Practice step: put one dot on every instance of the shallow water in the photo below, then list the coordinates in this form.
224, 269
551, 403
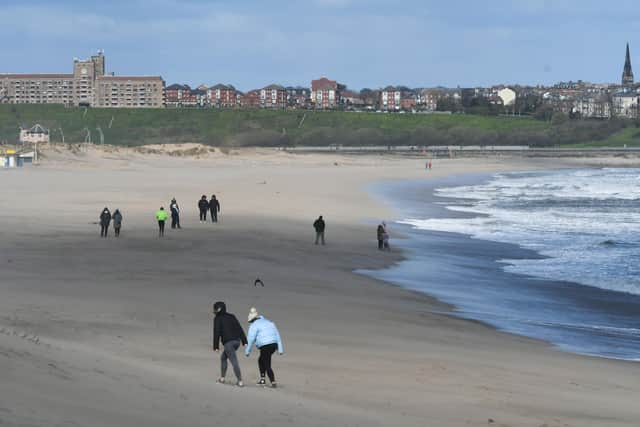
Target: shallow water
552, 255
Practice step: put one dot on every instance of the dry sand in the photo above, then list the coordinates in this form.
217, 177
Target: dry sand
106, 332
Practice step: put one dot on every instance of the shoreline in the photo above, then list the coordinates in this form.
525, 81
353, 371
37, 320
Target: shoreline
127, 321
433, 206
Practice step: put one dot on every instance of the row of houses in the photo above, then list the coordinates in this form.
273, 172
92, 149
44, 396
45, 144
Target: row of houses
323, 94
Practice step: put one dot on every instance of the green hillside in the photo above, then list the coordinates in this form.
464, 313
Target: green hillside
270, 128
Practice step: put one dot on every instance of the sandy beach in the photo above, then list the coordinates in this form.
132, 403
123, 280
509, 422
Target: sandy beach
117, 332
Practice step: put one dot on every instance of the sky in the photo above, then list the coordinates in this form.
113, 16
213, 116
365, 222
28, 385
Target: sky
361, 43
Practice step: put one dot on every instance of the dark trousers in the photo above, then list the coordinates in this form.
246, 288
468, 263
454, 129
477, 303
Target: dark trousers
229, 353
203, 214
175, 221
116, 229
319, 237
380, 244
161, 228
214, 215
104, 228
264, 361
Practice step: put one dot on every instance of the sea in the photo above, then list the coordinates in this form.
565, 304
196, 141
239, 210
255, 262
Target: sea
552, 255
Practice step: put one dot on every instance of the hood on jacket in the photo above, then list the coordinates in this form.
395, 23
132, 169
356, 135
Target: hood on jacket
219, 307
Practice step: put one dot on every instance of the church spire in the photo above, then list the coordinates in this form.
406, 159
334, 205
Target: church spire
627, 74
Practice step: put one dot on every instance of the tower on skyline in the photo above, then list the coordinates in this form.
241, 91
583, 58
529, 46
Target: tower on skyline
627, 73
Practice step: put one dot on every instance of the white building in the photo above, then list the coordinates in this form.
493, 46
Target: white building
508, 96
596, 106
625, 104
35, 135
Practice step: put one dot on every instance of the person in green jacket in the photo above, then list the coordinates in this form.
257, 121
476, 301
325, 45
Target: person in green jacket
161, 216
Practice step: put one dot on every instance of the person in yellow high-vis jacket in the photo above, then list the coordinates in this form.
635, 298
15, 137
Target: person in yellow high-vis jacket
161, 216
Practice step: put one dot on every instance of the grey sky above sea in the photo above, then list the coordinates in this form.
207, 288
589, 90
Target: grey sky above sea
362, 43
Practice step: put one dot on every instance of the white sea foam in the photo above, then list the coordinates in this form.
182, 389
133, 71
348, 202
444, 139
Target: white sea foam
586, 222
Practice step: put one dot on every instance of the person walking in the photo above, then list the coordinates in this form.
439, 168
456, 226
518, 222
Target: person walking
214, 208
227, 329
380, 235
105, 220
175, 214
266, 337
117, 222
203, 205
319, 225
161, 216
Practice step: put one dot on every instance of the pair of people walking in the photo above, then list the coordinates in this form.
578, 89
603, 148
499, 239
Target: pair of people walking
262, 332
105, 220
213, 206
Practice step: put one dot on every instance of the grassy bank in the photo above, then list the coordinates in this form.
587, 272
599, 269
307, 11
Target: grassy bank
269, 128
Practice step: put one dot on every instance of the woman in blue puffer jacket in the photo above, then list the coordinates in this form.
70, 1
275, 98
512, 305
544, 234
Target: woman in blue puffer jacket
265, 335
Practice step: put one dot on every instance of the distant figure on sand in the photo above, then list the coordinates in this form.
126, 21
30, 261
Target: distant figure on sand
319, 225
105, 220
203, 205
380, 234
117, 222
175, 214
266, 336
214, 208
161, 216
227, 329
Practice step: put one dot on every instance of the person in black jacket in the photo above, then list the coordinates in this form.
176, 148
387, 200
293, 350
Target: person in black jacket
319, 226
214, 207
175, 214
203, 205
227, 329
117, 222
105, 220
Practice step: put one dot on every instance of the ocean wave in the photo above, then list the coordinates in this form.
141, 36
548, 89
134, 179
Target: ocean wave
586, 223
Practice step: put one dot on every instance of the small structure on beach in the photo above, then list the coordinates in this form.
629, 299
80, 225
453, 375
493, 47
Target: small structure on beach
13, 159
34, 135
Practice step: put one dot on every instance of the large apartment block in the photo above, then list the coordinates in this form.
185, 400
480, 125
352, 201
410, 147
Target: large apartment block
89, 86
273, 96
324, 93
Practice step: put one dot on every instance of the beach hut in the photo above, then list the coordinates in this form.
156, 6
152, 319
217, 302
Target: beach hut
9, 159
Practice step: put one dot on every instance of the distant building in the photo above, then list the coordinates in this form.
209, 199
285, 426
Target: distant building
251, 99
34, 135
349, 98
508, 96
625, 104
390, 98
324, 93
89, 85
593, 106
429, 98
223, 96
273, 96
627, 73
129, 92
298, 97
176, 94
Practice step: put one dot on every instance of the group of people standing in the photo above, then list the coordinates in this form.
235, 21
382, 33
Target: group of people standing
213, 206
161, 215
262, 332
105, 220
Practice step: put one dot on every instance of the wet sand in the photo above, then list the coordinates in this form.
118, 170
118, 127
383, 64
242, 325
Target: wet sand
103, 332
